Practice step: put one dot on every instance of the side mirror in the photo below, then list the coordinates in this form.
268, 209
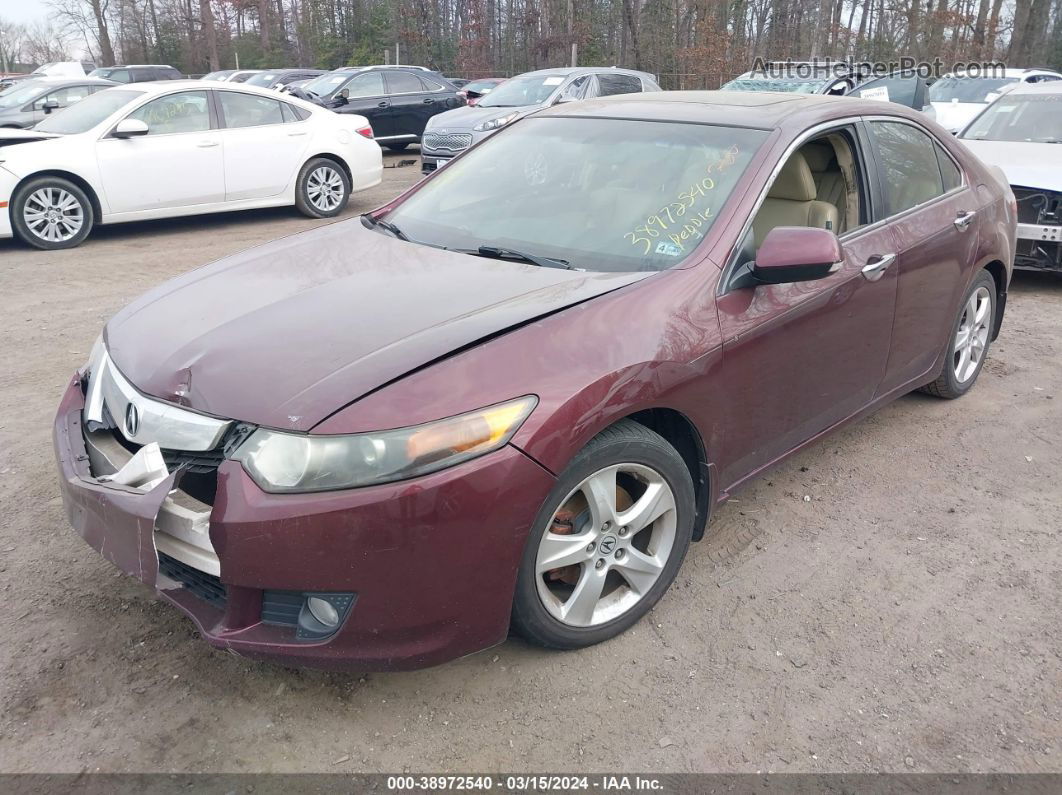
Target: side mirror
49, 106
130, 128
795, 254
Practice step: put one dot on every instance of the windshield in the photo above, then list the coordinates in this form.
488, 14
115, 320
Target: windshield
968, 89
773, 84
521, 91
327, 84
602, 194
87, 113
1022, 117
264, 79
217, 75
20, 94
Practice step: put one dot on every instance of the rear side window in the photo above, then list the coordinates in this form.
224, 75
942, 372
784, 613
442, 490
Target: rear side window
245, 110
428, 85
609, 84
908, 159
403, 83
291, 113
949, 172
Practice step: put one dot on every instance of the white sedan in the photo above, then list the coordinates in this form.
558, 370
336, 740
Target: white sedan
157, 150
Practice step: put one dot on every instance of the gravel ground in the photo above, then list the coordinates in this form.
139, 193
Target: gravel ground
906, 618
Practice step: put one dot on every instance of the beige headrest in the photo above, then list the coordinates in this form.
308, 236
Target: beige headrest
794, 181
818, 156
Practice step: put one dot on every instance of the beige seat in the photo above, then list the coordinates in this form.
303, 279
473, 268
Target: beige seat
829, 181
791, 201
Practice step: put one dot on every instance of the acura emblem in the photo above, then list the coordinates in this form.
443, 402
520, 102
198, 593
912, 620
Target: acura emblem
608, 543
132, 419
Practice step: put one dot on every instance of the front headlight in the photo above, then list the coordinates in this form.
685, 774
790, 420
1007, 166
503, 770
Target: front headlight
289, 462
494, 124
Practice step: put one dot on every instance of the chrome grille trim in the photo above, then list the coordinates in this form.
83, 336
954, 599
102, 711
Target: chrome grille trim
451, 142
173, 427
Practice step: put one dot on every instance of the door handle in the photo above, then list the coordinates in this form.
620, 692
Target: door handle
382, 104
206, 144
428, 101
877, 265
964, 219
296, 134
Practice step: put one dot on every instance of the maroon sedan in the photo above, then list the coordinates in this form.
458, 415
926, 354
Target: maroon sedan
513, 396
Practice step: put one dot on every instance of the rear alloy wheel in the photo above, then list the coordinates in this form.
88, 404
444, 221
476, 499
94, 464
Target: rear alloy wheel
970, 341
51, 213
323, 189
609, 541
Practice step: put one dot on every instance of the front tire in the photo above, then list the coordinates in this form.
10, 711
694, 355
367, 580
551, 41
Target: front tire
608, 542
323, 189
51, 213
970, 339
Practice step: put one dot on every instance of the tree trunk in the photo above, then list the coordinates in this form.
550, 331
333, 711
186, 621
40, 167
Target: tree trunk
103, 35
210, 34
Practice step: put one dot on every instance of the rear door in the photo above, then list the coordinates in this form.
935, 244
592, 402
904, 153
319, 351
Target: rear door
931, 210
412, 103
262, 148
366, 95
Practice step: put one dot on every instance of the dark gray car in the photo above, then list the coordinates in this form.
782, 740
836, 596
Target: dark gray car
26, 105
450, 133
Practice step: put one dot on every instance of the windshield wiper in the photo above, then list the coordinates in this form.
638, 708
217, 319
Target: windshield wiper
368, 219
495, 252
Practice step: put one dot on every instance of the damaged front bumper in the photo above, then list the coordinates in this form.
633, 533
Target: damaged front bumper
1039, 234
427, 566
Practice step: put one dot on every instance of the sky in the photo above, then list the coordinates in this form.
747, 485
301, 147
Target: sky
23, 11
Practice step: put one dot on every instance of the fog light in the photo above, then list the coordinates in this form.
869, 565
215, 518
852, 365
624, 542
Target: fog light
323, 611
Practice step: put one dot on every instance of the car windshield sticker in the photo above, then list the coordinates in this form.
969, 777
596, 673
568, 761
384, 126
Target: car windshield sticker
553, 81
680, 220
880, 93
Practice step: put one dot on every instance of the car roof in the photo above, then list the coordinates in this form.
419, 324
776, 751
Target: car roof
763, 110
580, 70
1050, 87
1008, 72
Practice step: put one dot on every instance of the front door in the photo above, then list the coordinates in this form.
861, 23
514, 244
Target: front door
799, 358
366, 96
178, 163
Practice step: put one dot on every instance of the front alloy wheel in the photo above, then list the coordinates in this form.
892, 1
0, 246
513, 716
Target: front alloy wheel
608, 542
51, 213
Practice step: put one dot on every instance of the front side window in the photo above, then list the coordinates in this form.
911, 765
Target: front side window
577, 89
601, 194
369, 84
910, 171
609, 84
246, 110
89, 112
175, 113
64, 97
1036, 118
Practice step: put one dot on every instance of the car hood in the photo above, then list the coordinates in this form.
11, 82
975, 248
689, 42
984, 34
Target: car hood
953, 116
286, 334
9, 136
468, 116
1031, 165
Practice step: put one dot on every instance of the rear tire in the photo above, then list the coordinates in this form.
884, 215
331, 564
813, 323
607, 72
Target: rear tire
574, 593
51, 213
323, 189
971, 338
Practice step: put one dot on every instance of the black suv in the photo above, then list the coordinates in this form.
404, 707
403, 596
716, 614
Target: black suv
397, 101
137, 73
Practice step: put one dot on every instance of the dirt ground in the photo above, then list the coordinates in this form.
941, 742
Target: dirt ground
906, 618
